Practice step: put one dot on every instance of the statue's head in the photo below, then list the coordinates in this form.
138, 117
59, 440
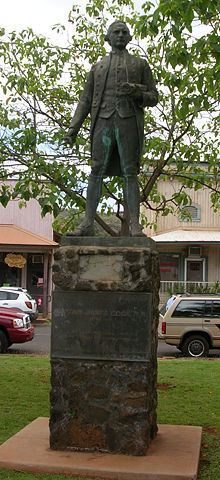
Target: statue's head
118, 35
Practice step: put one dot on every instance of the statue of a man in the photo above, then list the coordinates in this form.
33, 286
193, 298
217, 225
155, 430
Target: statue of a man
117, 89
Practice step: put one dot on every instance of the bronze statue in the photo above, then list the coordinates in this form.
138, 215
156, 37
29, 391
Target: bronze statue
117, 89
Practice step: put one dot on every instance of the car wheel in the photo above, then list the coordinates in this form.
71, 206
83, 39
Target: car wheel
195, 346
3, 342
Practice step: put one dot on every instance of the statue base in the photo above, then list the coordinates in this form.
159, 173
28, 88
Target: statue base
104, 345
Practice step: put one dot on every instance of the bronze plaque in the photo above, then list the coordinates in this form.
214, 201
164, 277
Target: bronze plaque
101, 325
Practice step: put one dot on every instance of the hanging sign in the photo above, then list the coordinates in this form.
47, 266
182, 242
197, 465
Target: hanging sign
15, 260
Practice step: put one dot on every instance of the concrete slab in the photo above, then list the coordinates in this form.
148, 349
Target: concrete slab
173, 455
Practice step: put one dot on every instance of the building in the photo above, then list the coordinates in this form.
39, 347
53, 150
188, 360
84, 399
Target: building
189, 249
26, 250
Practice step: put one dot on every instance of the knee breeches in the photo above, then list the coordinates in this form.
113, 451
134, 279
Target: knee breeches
113, 135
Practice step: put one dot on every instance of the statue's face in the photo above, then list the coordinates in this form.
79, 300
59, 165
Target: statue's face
119, 36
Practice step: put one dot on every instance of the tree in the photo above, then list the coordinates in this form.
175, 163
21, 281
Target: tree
41, 82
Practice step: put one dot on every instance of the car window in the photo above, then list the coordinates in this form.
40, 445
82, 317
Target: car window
3, 295
12, 296
8, 295
163, 309
189, 308
216, 308
208, 308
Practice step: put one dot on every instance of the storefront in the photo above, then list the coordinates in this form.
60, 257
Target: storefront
189, 260
26, 261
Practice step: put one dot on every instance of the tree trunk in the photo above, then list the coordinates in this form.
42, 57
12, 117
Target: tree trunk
125, 220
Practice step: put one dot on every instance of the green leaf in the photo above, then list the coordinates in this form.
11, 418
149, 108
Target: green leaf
41, 84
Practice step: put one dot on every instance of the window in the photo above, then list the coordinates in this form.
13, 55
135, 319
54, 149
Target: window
169, 267
190, 213
208, 308
197, 308
3, 295
12, 296
195, 270
216, 308
190, 308
8, 296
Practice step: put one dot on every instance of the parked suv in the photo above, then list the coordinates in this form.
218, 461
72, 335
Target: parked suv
17, 297
15, 327
192, 323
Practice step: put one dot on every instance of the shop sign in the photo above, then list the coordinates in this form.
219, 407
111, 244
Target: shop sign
15, 260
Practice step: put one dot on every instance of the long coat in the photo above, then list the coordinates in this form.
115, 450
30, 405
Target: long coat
138, 72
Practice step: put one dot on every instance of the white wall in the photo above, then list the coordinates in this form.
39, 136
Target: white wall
209, 220
28, 217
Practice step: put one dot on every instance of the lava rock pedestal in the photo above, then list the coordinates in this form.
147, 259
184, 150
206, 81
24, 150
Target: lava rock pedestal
104, 345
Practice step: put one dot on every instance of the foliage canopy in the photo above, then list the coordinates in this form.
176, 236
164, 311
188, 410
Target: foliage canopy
41, 83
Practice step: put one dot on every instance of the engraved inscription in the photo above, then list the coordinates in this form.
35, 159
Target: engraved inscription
101, 325
100, 267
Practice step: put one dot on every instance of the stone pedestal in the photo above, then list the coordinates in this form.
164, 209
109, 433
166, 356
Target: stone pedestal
104, 345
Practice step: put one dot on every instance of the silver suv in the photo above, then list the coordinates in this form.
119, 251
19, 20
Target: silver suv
192, 324
17, 297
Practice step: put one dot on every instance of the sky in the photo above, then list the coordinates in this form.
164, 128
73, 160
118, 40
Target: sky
40, 15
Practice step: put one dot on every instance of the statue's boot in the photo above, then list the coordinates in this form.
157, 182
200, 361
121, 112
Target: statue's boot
133, 201
136, 230
94, 190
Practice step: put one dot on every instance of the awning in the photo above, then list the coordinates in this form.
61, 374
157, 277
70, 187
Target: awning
189, 236
17, 236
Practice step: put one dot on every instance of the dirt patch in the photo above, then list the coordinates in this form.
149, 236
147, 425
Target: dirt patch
164, 386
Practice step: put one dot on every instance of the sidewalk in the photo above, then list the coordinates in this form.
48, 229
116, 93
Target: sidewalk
40, 320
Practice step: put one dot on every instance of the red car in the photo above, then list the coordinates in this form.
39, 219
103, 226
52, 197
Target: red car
15, 327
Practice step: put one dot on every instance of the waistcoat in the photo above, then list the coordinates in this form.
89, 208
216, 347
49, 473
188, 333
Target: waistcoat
117, 74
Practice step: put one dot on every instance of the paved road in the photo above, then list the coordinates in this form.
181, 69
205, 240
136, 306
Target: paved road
41, 345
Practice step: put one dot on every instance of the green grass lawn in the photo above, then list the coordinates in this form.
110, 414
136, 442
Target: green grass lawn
188, 394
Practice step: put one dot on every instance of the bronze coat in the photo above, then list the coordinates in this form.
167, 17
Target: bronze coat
139, 72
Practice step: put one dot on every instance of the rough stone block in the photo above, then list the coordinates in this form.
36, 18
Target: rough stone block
104, 346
